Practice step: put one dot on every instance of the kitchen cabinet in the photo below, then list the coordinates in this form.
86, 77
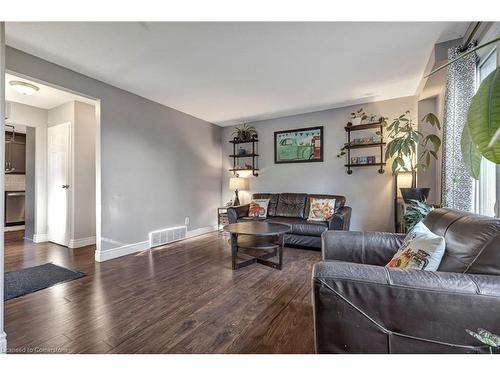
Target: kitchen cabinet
15, 153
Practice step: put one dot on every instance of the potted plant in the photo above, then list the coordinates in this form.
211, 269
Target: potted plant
402, 147
358, 117
244, 133
415, 213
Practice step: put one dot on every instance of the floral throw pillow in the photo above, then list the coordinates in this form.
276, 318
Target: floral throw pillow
258, 208
321, 209
421, 250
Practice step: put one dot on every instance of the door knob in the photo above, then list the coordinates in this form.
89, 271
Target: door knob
65, 186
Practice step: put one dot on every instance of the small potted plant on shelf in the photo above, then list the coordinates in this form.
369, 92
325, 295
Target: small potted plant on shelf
357, 117
405, 138
244, 133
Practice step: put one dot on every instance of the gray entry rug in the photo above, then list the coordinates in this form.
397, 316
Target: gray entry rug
29, 280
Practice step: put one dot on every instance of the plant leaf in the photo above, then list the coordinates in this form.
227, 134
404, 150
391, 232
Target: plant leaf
470, 154
485, 337
483, 119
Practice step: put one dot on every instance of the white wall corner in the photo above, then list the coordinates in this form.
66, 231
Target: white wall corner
3, 343
81, 242
37, 238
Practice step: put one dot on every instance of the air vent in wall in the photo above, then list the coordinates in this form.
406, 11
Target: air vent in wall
165, 236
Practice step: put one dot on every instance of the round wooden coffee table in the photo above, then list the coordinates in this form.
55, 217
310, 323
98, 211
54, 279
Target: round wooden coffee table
257, 236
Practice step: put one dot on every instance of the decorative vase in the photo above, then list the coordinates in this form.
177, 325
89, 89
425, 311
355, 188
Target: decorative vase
418, 194
356, 121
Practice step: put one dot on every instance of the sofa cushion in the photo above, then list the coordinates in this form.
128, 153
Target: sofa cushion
273, 201
339, 201
291, 205
421, 250
472, 241
300, 226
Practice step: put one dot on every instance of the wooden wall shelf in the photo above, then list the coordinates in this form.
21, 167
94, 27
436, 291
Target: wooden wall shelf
252, 154
374, 125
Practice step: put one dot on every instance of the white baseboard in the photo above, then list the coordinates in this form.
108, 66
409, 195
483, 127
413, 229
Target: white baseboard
81, 242
3, 343
104, 255
200, 231
37, 238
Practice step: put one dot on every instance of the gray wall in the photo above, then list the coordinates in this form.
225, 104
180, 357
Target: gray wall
368, 193
29, 228
158, 165
84, 171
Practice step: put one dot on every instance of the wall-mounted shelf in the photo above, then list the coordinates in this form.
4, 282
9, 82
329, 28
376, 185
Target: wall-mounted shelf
237, 142
251, 154
374, 125
366, 145
243, 156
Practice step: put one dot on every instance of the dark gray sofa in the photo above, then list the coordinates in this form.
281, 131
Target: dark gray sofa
360, 306
293, 209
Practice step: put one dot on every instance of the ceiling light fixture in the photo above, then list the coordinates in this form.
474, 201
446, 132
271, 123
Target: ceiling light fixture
24, 88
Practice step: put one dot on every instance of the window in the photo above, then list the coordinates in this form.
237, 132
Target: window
485, 188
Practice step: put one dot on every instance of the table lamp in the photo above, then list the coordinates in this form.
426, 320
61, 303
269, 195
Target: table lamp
237, 183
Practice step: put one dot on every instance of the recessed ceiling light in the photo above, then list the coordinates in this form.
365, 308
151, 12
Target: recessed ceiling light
24, 88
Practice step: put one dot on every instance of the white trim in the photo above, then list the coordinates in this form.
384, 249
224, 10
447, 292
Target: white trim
104, 255
38, 238
200, 231
81, 242
3, 343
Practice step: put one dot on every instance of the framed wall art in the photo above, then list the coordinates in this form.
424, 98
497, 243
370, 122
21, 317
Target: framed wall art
298, 145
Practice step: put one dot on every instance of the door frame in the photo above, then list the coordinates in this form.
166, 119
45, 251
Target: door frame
97, 106
70, 222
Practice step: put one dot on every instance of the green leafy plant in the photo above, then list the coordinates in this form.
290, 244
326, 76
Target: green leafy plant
486, 337
481, 134
245, 132
416, 211
359, 114
405, 138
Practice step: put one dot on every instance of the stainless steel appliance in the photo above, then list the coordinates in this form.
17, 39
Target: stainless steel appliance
14, 207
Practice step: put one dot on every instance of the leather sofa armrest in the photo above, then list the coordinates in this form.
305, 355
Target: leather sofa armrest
375, 248
235, 212
341, 219
373, 309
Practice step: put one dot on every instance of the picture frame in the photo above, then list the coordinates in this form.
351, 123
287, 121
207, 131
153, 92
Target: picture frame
303, 145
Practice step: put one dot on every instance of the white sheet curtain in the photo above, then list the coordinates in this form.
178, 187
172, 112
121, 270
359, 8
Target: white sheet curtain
457, 185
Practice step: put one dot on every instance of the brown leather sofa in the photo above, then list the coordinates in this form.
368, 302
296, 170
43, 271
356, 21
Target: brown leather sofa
360, 306
293, 209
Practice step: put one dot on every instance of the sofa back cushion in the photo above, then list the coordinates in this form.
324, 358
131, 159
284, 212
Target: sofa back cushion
273, 201
339, 201
472, 241
291, 205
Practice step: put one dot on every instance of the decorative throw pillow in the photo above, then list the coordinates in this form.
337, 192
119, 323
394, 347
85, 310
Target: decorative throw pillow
421, 250
258, 208
321, 209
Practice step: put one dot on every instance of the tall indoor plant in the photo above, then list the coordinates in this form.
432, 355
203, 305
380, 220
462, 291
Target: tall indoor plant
411, 150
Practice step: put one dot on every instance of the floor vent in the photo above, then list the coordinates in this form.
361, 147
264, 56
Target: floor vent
165, 236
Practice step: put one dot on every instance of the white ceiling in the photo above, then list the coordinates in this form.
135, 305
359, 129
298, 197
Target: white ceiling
228, 72
46, 97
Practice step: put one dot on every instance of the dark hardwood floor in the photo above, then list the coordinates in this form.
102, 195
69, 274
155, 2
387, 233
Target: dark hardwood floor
181, 298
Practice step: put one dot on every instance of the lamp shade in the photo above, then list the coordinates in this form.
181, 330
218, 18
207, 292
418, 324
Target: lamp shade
238, 183
403, 181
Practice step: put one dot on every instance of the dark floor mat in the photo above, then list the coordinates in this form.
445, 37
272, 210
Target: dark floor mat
29, 280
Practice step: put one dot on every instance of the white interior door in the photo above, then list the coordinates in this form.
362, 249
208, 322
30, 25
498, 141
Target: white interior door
58, 179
